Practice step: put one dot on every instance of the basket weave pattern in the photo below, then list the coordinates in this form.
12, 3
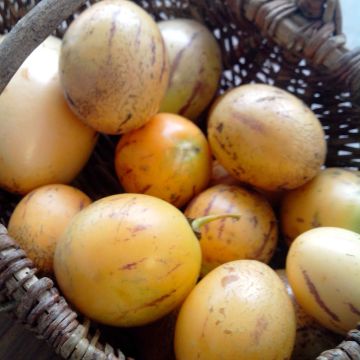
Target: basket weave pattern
301, 67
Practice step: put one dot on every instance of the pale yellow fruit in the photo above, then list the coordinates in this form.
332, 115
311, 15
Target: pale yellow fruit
127, 260
332, 198
240, 310
323, 268
40, 219
114, 66
195, 67
41, 140
311, 338
266, 137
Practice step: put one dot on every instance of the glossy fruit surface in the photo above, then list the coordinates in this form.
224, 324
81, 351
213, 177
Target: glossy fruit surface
332, 198
41, 217
195, 67
240, 310
311, 338
252, 236
323, 268
168, 158
41, 140
127, 260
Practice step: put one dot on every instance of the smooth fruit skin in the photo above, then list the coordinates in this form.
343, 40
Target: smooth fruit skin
332, 198
127, 260
266, 137
195, 67
240, 310
323, 269
41, 217
253, 236
41, 140
311, 338
219, 175
169, 157
114, 66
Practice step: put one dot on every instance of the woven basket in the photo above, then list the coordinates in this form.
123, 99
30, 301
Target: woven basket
295, 45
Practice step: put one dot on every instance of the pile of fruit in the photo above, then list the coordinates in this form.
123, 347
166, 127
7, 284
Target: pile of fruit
204, 207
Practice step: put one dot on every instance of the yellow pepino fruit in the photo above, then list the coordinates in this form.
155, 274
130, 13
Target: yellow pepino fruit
311, 338
41, 140
323, 269
127, 260
195, 67
240, 310
332, 198
41, 217
266, 137
114, 66
253, 235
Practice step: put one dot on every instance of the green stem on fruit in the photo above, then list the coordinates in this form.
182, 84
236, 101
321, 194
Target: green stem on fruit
196, 224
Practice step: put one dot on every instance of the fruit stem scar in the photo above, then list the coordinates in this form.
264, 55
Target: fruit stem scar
317, 296
197, 223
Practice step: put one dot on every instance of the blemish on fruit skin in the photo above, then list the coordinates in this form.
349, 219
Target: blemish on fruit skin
227, 280
227, 332
316, 221
173, 269
204, 326
221, 228
268, 98
313, 290
254, 220
229, 268
250, 122
266, 238
69, 99
174, 198
222, 221
133, 265
196, 90
210, 204
179, 55
113, 27
160, 299
220, 127
145, 189
138, 228
238, 171
153, 51
353, 309
137, 36
25, 73
260, 327
127, 119
82, 204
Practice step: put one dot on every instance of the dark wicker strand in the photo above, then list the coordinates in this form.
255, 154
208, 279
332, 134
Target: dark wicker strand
39, 306
311, 8
347, 350
29, 32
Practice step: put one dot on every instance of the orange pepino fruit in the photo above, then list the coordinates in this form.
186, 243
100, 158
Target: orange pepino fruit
169, 158
252, 236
